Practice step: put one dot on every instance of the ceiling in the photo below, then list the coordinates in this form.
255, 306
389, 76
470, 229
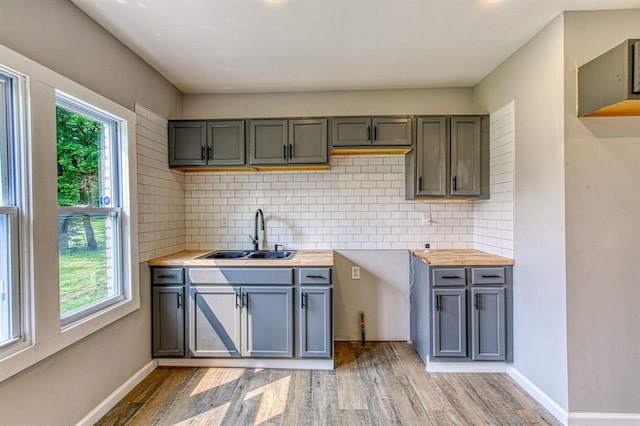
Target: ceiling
240, 46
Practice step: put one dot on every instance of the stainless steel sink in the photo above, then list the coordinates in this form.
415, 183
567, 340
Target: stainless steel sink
245, 254
271, 255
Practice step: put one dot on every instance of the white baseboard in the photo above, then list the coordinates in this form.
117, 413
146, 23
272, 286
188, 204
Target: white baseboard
604, 419
465, 367
115, 397
536, 393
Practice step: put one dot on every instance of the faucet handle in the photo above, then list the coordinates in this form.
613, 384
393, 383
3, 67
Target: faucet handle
275, 246
253, 240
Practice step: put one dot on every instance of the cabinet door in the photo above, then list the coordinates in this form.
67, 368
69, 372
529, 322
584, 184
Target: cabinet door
214, 321
268, 142
225, 143
465, 156
308, 141
268, 322
351, 131
391, 131
168, 321
449, 335
432, 156
488, 324
187, 143
315, 322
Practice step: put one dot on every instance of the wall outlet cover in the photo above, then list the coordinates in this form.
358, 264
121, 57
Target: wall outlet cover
355, 272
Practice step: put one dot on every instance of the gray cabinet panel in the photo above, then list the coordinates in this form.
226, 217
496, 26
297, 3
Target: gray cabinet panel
308, 141
465, 156
487, 276
419, 313
432, 156
268, 142
187, 143
321, 276
449, 277
488, 324
214, 323
391, 131
449, 323
226, 143
167, 276
268, 319
350, 131
241, 276
168, 321
315, 322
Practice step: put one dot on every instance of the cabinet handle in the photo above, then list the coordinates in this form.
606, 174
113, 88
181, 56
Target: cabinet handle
450, 277
304, 296
368, 132
476, 301
284, 152
455, 183
490, 276
179, 300
419, 184
167, 276
320, 277
209, 153
202, 153
437, 302
290, 151
238, 301
375, 133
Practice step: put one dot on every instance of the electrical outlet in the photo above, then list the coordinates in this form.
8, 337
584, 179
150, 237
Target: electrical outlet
426, 218
224, 221
355, 272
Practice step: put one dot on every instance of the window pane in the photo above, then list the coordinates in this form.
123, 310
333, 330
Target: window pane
6, 305
85, 163
88, 268
5, 146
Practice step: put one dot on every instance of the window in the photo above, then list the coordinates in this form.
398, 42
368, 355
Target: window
10, 316
89, 210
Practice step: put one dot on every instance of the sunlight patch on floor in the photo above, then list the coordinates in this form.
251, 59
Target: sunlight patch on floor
273, 401
216, 377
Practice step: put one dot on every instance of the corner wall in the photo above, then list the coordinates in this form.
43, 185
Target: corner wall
533, 79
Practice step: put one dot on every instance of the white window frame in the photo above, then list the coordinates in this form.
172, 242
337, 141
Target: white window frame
115, 143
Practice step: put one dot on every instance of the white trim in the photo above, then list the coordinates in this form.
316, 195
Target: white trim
536, 393
117, 395
465, 367
603, 419
286, 363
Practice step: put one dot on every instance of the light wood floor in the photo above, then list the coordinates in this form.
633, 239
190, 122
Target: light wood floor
381, 384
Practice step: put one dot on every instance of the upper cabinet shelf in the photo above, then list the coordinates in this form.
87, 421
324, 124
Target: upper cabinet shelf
206, 143
366, 133
609, 85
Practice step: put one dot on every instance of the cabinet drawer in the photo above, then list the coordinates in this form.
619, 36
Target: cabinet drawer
314, 276
167, 276
449, 277
487, 276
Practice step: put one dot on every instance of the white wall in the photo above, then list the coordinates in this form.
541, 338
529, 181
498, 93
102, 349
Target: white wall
602, 210
533, 79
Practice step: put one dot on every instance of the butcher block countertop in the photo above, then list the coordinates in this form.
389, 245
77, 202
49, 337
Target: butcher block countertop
301, 258
460, 257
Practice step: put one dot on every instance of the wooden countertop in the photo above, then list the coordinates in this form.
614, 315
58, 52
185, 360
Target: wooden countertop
461, 257
301, 258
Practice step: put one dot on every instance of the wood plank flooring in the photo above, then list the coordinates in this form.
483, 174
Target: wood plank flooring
383, 383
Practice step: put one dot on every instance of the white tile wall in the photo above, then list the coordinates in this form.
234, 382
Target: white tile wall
358, 204
493, 218
161, 200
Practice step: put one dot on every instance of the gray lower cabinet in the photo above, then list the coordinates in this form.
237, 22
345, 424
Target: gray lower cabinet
371, 131
294, 141
232, 321
451, 158
168, 321
315, 331
449, 323
206, 143
488, 324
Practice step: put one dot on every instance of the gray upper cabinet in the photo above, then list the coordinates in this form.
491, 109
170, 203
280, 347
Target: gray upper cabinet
187, 143
370, 131
268, 142
308, 141
451, 158
449, 331
315, 322
225, 143
206, 143
168, 321
488, 324
268, 322
214, 321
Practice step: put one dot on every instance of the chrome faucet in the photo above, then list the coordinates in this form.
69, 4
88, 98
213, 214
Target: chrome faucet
255, 239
